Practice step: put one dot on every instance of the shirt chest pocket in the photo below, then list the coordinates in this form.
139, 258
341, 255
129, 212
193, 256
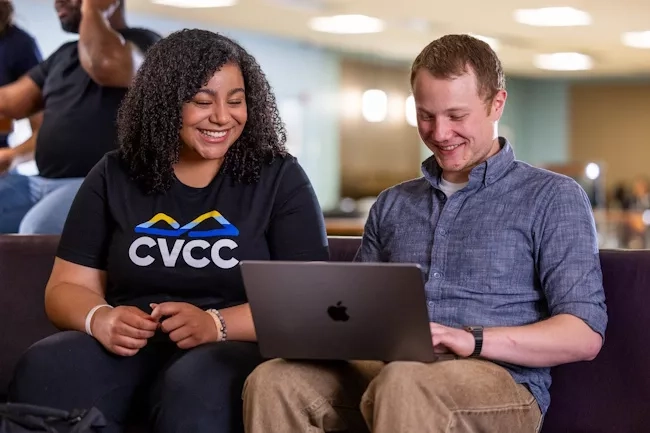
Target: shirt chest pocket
492, 260
406, 244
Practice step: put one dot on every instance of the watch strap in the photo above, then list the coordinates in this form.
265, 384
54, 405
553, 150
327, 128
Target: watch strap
477, 332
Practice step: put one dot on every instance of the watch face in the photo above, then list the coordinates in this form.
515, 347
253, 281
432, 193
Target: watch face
473, 328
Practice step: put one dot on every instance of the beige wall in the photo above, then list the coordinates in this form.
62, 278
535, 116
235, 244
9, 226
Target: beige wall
375, 156
610, 123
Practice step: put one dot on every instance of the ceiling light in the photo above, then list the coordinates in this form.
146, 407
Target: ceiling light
347, 24
492, 42
563, 62
410, 111
374, 105
636, 39
592, 171
417, 25
191, 4
553, 17
315, 6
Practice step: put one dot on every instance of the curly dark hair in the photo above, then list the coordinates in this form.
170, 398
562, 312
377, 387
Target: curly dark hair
150, 116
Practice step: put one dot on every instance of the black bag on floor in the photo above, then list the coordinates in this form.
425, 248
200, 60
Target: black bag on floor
26, 418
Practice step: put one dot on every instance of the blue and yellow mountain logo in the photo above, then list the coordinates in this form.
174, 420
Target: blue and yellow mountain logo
226, 229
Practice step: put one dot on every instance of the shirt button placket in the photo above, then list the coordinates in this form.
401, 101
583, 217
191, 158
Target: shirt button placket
439, 251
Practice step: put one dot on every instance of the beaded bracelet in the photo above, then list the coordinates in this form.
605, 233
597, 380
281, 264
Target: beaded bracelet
221, 324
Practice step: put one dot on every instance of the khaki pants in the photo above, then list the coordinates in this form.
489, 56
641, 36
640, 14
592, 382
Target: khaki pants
462, 395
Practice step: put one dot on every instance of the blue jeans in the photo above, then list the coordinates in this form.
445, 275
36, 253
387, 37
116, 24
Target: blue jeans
35, 205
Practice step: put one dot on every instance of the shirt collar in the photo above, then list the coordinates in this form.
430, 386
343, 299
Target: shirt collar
487, 172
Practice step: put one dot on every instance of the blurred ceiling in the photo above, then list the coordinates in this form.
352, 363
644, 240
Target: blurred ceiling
410, 24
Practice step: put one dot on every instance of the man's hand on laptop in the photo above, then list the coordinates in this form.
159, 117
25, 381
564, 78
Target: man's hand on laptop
446, 340
187, 325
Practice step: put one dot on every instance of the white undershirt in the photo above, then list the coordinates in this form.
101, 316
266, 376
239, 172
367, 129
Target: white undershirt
449, 188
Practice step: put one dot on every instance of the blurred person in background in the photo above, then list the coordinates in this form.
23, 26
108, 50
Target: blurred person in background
640, 194
637, 215
18, 54
79, 88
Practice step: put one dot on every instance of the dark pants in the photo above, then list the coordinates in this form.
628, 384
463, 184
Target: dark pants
197, 390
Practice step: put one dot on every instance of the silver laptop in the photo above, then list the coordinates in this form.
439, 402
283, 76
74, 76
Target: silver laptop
339, 310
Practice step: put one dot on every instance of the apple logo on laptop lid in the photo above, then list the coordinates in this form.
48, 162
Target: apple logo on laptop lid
338, 312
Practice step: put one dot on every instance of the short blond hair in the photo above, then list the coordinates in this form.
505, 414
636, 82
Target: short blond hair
451, 55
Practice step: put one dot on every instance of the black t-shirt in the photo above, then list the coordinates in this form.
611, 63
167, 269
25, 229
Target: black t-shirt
79, 118
185, 245
18, 54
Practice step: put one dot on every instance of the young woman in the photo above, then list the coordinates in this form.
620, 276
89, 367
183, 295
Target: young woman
146, 276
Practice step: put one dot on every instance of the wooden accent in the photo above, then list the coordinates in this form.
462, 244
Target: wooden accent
375, 156
610, 125
344, 226
619, 229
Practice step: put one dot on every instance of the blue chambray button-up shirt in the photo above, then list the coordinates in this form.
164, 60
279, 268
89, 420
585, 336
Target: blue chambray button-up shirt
516, 245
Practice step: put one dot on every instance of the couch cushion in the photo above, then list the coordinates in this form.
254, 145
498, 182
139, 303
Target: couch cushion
343, 248
25, 265
612, 393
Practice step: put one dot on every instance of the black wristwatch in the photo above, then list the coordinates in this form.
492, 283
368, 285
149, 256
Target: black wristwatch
477, 332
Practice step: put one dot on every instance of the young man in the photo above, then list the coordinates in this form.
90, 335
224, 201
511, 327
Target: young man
18, 54
79, 88
513, 279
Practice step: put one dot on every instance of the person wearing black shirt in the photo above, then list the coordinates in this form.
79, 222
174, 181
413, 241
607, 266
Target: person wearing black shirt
146, 277
18, 54
79, 88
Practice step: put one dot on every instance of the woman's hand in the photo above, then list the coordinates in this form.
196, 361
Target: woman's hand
187, 325
123, 330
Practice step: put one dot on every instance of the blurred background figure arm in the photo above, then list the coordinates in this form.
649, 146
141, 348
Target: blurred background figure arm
109, 58
9, 157
19, 100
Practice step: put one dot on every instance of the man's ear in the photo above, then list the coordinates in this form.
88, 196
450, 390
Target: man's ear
498, 104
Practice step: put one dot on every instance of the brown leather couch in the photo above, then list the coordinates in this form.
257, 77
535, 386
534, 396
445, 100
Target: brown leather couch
608, 395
